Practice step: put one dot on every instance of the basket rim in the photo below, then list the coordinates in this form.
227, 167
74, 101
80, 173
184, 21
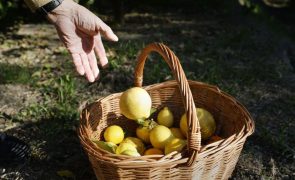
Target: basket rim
177, 158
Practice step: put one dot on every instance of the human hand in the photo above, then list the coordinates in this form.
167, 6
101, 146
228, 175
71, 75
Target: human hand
80, 31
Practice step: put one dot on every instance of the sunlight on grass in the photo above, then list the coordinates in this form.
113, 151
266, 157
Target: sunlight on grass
60, 102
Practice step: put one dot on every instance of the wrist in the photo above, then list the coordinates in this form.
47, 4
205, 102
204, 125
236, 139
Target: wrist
49, 6
52, 16
62, 9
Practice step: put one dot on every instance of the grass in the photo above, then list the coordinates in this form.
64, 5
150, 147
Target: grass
60, 101
14, 74
277, 134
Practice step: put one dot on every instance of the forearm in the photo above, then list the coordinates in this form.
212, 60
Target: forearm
35, 4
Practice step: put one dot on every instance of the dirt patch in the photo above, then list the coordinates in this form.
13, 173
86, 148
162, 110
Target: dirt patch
14, 99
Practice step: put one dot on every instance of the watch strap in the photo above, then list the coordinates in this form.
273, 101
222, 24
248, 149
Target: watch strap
45, 9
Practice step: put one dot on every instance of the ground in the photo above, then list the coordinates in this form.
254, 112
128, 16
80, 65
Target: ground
249, 56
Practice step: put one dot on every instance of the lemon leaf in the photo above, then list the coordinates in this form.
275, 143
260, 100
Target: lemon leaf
153, 110
66, 173
108, 146
140, 121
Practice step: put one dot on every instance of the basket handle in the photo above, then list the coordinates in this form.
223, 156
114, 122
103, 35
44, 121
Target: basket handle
194, 133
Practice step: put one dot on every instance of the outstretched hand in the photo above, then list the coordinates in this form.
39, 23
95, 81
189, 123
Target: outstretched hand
80, 30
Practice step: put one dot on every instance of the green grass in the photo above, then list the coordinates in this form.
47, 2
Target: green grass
228, 62
14, 74
275, 126
60, 103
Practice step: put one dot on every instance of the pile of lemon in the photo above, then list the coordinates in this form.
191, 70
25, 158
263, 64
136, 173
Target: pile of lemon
162, 136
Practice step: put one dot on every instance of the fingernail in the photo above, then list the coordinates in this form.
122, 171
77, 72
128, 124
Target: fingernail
81, 72
105, 65
115, 37
91, 79
96, 73
97, 78
104, 62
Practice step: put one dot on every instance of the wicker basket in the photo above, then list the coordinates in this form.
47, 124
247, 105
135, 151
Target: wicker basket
213, 161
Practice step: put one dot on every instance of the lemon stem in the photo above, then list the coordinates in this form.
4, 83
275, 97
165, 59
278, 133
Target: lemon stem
140, 121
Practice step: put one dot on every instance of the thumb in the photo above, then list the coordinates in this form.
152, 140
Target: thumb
92, 25
105, 30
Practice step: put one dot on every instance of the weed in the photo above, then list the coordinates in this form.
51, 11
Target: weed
60, 102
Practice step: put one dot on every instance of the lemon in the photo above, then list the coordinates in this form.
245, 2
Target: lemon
165, 117
153, 151
206, 120
108, 146
143, 131
175, 144
177, 133
114, 134
159, 136
130, 153
135, 103
138, 144
125, 146
213, 139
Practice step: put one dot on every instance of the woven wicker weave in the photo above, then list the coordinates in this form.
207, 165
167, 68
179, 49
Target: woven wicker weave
213, 161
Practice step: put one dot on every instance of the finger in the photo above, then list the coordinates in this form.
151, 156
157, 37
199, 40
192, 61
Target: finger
106, 30
100, 51
88, 71
93, 64
91, 24
78, 63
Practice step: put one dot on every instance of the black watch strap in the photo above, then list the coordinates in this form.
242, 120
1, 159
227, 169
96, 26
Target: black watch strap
45, 9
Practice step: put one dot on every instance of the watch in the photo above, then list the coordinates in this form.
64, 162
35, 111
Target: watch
45, 9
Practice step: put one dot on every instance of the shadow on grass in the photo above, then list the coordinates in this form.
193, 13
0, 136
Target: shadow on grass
55, 147
15, 74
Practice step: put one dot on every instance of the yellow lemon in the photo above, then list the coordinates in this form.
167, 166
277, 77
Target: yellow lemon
114, 134
138, 144
177, 133
159, 136
206, 120
165, 117
143, 131
135, 103
125, 146
175, 144
108, 146
153, 151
